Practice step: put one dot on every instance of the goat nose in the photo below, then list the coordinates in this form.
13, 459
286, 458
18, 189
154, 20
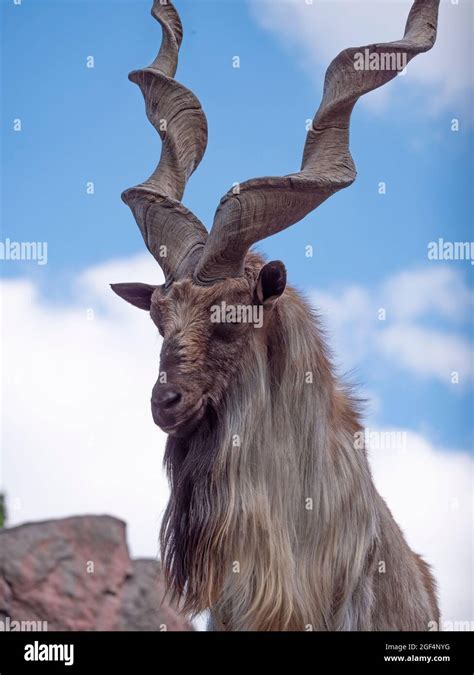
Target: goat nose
166, 397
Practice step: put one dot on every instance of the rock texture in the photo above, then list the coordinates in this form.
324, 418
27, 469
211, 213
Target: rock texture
76, 574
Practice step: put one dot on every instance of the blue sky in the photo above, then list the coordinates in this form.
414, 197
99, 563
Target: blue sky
79, 364
81, 125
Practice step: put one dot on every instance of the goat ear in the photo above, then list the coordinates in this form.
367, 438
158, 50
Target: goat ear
136, 294
271, 282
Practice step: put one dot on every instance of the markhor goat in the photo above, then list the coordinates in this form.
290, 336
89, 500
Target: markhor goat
274, 522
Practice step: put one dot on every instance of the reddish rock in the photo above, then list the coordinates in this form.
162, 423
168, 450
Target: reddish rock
76, 574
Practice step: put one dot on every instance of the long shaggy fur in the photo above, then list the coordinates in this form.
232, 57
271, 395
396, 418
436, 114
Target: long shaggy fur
274, 522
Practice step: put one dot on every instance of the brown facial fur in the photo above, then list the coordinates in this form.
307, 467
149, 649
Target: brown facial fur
199, 357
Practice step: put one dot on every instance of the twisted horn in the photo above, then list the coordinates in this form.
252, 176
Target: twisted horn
171, 232
264, 206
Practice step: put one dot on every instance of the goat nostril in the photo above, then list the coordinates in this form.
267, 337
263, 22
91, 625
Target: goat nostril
166, 398
170, 399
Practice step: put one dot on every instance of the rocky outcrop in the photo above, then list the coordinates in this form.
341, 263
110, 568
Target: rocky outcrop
76, 574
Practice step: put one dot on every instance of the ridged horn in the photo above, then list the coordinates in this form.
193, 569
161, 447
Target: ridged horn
264, 206
171, 232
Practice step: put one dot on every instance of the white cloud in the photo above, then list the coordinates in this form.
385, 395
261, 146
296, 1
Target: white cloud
430, 495
408, 300
439, 291
317, 31
78, 435
428, 352
349, 314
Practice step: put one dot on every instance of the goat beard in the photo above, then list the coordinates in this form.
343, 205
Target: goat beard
188, 547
